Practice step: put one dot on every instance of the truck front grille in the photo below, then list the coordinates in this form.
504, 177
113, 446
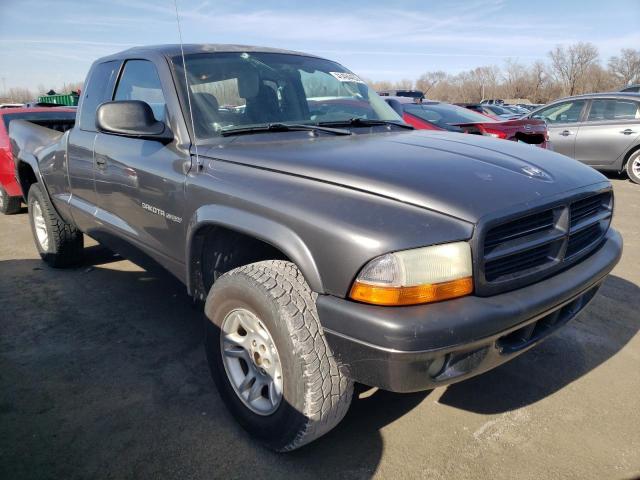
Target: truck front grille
529, 246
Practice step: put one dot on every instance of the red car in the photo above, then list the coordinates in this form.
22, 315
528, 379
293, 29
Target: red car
444, 116
59, 118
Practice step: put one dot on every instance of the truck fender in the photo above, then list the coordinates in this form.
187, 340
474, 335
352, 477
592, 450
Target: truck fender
27, 140
266, 230
25, 183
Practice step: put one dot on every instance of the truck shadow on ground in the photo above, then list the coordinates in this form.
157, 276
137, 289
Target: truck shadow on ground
604, 328
104, 375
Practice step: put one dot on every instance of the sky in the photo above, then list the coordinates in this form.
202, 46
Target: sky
49, 43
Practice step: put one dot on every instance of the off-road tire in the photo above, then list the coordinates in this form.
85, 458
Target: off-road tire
9, 205
316, 392
65, 242
633, 166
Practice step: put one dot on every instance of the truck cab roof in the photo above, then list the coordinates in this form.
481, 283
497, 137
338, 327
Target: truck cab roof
171, 50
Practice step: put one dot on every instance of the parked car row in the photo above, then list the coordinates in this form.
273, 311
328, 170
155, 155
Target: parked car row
494, 111
453, 118
601, 130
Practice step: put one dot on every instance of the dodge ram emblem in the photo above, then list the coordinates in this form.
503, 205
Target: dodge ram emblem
534, 172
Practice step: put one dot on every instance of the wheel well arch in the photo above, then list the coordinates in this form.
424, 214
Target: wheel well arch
627, 155
26, 177
216, 249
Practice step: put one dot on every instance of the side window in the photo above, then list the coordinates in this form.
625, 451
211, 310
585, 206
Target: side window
609, 109
98, 90
140, 81
567, 112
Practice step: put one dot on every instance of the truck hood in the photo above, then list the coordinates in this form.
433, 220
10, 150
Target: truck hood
465, 176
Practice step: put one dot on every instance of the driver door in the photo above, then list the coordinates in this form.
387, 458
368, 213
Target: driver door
140, 182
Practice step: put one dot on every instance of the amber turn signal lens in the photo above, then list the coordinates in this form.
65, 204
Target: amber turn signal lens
395, 296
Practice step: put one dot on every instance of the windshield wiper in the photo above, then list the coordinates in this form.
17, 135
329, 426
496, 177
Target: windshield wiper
365, 122
283, 127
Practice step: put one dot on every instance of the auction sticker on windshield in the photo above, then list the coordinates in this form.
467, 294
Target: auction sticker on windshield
347, 77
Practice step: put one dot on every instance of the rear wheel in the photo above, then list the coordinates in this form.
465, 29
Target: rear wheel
269, 358
9, 205
59, 243
633, 166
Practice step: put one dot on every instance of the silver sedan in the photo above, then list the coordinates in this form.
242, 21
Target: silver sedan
599, 129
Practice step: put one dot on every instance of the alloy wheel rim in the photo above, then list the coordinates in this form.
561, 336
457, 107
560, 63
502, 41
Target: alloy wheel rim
1, 200
251, 361
635, 166
40, 226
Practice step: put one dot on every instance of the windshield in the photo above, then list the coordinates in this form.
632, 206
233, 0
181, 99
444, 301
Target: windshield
239, 90
441, 114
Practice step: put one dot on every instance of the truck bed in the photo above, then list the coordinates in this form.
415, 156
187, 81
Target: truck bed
29, 137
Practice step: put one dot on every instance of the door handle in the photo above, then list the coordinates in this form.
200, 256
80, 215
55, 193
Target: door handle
566, 133
628, 131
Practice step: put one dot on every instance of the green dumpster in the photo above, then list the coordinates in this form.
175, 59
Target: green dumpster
68, 100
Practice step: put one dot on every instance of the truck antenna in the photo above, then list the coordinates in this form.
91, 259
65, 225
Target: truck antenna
186, 84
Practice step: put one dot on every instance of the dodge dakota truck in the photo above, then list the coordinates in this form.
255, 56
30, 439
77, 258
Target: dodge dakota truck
329, 242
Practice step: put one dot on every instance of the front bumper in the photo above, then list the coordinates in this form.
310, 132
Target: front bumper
405, 349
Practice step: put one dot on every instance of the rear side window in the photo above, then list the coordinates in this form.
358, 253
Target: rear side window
140, 81
609, 109
97, 91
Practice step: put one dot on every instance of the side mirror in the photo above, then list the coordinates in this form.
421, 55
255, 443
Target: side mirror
396, 105
131, 118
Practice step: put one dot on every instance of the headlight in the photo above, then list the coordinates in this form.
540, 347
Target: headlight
421, 275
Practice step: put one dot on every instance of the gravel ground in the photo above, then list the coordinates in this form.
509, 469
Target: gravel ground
103, 375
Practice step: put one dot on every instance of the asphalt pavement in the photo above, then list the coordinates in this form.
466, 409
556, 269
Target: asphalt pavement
103, 375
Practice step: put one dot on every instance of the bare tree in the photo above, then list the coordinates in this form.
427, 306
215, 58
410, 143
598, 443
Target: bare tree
626, 67
380, 85
19, 95
428, 81
597, 79
517, 79
404, 84
24, 95
571, 64
539, 77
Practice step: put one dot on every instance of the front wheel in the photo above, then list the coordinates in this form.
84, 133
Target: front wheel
633, 167
269, 357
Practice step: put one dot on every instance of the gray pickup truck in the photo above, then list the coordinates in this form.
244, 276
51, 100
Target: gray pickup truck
330, 242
